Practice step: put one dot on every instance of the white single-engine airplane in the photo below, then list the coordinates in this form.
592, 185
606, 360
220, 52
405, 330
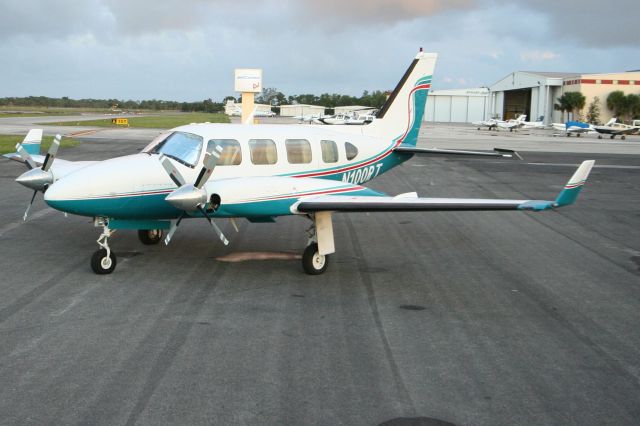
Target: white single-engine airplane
258, 172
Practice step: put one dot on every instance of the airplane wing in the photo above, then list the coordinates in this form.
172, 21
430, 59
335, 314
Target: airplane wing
411, 202
497, 152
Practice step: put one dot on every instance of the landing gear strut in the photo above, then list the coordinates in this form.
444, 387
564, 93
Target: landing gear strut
315, 258
104, 260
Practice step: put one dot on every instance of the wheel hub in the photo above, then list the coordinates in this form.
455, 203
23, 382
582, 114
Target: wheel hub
318, 260
106, 262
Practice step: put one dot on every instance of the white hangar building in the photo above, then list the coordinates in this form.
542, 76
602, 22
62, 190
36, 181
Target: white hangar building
457, 106
530, 93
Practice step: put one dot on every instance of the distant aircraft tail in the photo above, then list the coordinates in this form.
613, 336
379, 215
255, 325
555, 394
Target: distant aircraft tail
31, 142
401, 116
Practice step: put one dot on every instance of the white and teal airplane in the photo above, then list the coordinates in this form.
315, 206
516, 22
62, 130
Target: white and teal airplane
257, 172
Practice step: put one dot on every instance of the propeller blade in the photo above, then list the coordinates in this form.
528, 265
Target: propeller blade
51, 154
209, 163
26, 157
214, 226
172, 230
173, 173
26, 213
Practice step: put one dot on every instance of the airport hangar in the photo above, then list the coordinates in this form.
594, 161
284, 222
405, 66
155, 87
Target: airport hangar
527, 92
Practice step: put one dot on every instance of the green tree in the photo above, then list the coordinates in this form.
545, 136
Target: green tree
570, 102
633, 106
593, 112
617, 102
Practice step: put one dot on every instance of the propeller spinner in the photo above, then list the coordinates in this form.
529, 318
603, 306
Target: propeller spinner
36, 178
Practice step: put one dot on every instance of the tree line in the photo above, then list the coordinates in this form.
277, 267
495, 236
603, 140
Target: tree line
624, 107
269, 96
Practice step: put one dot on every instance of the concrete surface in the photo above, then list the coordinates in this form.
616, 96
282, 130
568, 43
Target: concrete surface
467, 318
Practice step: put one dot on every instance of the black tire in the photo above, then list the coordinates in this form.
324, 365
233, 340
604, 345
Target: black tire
577, 135
612, 136
149, 237
314, 263
101, 264
599, 136
623, 137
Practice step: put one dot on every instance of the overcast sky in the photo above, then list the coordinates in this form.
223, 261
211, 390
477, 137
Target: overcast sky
188, 49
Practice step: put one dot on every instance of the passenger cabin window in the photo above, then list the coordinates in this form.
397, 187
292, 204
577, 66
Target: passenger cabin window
351, 150
263, 151
182, 147
329, 151
298, 151
231, 153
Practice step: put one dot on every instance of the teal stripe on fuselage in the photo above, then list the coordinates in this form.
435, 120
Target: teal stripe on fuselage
130, 207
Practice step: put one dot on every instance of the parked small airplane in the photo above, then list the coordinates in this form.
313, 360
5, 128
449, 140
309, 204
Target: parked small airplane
613, 129
213, 171
538, 124
490, 124
577, 128
513, 124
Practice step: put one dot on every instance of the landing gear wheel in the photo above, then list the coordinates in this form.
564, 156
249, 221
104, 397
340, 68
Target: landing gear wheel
150, 237
568, 134
313, 262
623, 137
612, 136
103, 264
599, 136
578, 135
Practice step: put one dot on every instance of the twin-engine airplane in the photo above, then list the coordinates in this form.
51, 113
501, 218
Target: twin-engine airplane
213, 171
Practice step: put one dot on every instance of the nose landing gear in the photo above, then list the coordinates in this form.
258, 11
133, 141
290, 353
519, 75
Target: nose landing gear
103, 260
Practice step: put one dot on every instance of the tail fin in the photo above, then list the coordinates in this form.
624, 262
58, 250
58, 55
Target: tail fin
401, 116
572, 189
31, 142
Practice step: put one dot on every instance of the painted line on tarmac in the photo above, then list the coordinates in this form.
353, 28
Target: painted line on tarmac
82, 133
596, 166
37, 215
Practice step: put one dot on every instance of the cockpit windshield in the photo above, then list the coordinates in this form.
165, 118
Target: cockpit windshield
181, 146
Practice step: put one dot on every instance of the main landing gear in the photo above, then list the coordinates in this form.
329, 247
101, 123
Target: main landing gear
315, 258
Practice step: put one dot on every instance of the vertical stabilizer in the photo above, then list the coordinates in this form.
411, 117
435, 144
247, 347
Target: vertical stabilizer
31, 142
402, 114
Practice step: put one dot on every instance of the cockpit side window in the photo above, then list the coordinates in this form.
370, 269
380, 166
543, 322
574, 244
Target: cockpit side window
231, 153
182, 147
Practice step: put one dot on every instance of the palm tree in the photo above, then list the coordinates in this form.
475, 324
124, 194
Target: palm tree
570, 101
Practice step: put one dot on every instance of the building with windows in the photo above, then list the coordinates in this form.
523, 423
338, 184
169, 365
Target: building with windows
536, 93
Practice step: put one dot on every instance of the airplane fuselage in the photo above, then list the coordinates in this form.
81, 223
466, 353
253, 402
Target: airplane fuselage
135, 186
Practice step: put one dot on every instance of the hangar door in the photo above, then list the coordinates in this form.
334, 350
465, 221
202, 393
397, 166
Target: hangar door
516, 102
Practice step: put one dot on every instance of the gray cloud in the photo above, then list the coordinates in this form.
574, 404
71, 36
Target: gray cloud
589, 23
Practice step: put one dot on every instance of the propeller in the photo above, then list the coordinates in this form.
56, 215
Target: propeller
192, 197
36, 178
